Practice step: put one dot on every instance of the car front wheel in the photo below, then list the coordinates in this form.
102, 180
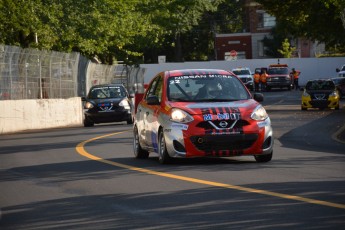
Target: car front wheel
138, 151
130, 121
88, 123
163, 157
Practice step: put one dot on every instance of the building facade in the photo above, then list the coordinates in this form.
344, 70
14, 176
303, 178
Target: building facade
249, 44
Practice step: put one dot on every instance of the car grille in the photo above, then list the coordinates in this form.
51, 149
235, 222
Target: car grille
222, 124
277, 79
319, 96
319, 103
105, 106
245, 79
319, 100
233, 143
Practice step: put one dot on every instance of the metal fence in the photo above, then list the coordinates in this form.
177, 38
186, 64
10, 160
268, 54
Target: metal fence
131, 77
31, 74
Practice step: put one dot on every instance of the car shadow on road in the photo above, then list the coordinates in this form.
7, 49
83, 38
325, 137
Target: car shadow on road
201, 208
318, 134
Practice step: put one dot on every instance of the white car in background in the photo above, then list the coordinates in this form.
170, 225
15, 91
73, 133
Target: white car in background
246, 76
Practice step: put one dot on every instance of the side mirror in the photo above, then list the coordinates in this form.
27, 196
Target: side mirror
152, 100
337, 70
259, 97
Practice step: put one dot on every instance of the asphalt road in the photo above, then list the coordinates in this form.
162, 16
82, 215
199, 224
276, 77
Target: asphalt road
87, 178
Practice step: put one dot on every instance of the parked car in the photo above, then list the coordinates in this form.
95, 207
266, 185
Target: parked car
107, 103
340, 85
279, 77
201, 113
320, 93
246, 76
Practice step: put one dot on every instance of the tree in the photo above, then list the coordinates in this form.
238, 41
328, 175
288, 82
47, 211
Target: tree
286, 49
23, 21
117, 30
317, 20
177, 18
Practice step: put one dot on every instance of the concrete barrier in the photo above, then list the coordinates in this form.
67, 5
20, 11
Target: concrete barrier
311, 68
21, 115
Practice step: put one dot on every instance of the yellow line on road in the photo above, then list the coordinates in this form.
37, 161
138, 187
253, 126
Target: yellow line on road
81, 150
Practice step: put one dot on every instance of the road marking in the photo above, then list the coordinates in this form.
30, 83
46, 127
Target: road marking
81, 150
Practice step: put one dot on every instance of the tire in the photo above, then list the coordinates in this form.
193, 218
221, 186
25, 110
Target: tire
263, 158
302, 108
337, 107
88, 123
163, 155
130, 121
139, 152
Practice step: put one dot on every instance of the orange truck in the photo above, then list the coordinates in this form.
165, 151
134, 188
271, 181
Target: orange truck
279, 77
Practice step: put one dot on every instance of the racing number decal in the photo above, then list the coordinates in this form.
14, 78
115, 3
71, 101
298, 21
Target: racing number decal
221, 113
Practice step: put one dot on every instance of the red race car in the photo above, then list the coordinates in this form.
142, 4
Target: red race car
201, 113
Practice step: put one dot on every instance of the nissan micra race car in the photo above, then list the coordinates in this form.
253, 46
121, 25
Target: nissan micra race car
201, 113
321, 94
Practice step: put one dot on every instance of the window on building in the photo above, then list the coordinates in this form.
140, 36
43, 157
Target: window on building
260, 48
265, 20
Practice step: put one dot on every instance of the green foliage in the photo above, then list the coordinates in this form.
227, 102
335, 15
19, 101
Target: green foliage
317, 20
107, 29
138, 31
286, 49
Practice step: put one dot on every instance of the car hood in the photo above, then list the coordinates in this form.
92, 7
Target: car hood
278, 75
244, 76
320, 91
115, 101
199, 108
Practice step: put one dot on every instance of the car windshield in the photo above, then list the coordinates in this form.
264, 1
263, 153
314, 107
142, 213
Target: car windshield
273, 71
241, 72
320, 85
107, 92
208, 87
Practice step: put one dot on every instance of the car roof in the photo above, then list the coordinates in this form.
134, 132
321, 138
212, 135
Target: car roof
173, 73
106, 85
278, 66
319, 80
241, 68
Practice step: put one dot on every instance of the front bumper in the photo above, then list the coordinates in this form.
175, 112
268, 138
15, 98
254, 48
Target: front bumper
279, 84
190, 140
108, 116
331, 102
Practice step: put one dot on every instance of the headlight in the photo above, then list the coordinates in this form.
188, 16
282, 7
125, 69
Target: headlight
259, 114
88, 105
180, 116
124, 103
